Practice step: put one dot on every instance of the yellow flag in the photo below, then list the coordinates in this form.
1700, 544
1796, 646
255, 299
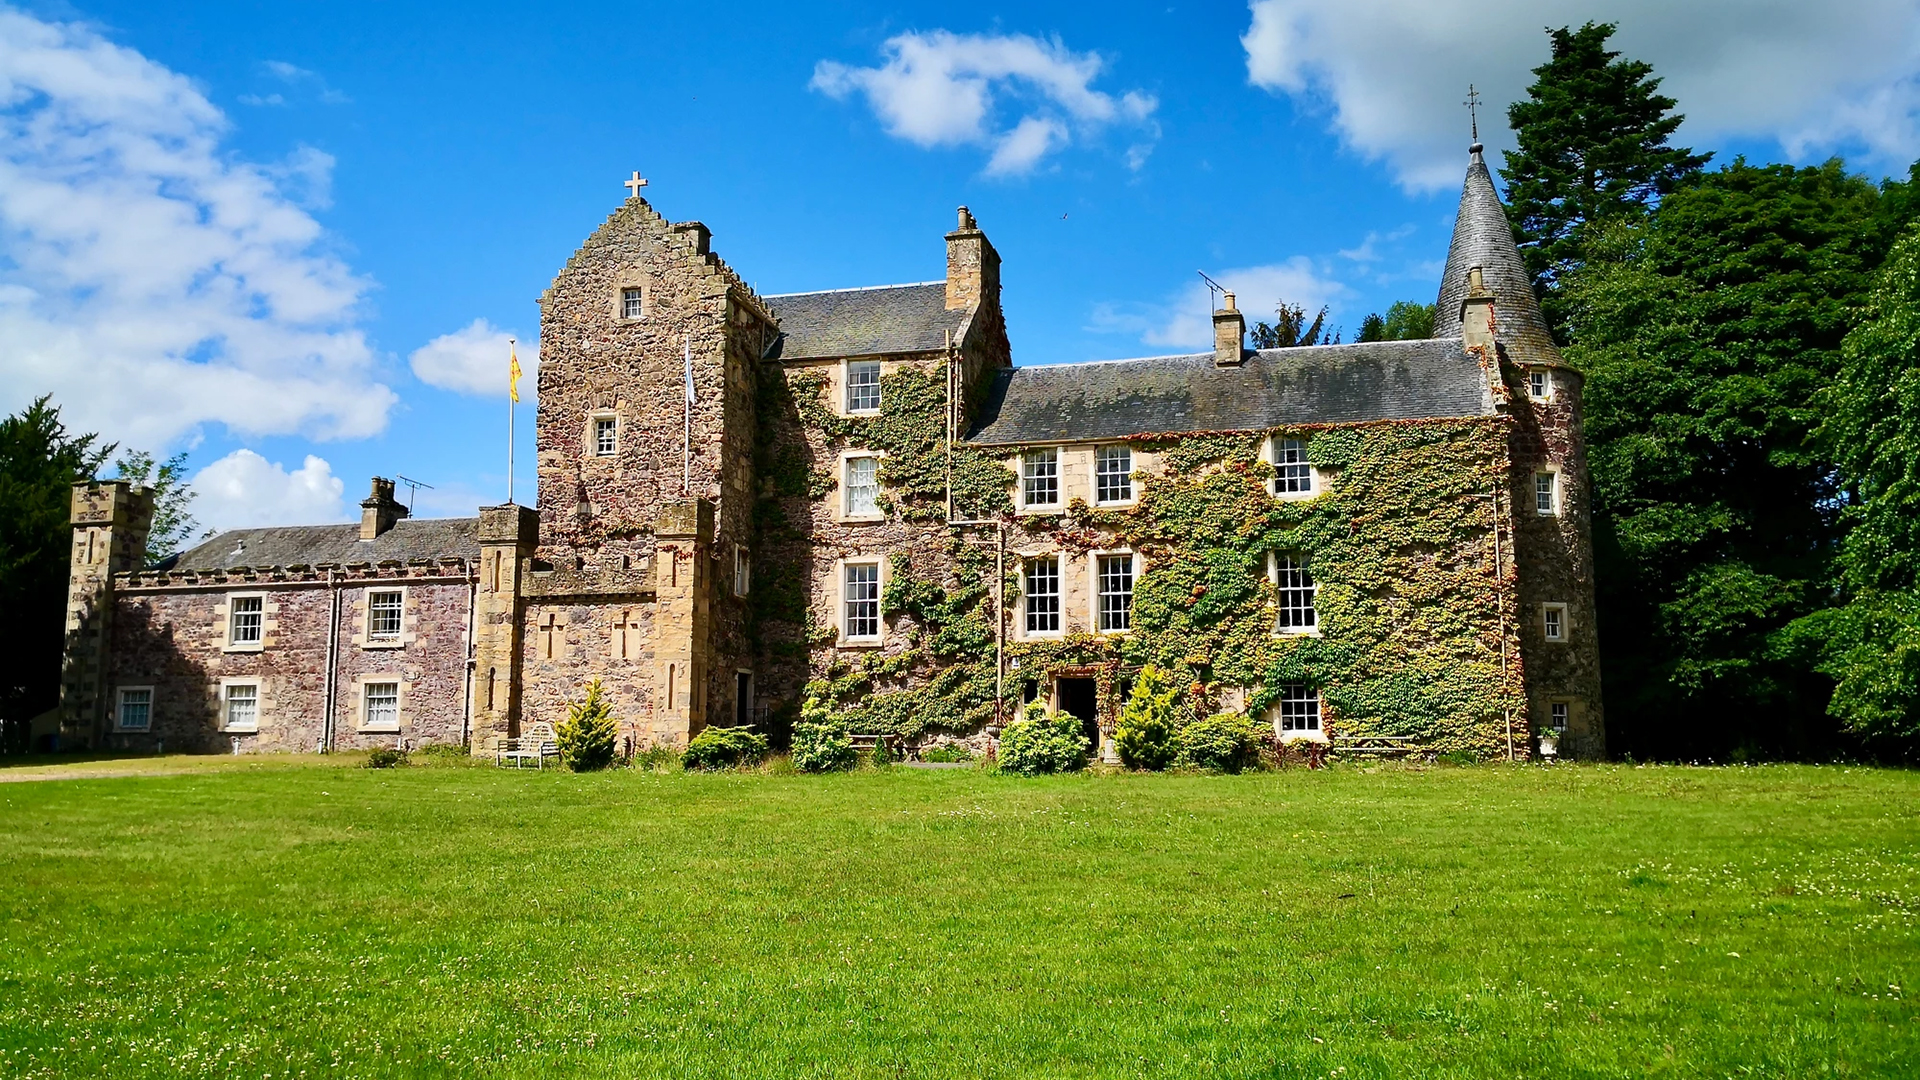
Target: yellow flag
513, 373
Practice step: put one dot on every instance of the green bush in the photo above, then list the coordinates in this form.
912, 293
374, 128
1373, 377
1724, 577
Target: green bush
586, 736
1043, 743
723, 748
657, 757
446, 755
822, 747
386, 757
1223, 741
1145, 734
950, 753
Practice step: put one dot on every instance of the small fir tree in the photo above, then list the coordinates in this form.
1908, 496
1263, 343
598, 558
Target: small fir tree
586, 736
1145, 734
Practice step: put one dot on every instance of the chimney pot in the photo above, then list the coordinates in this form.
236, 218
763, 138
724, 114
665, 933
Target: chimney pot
380, 510
1229, 335
973, 266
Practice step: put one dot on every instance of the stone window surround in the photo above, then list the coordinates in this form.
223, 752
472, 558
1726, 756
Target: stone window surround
362, 619
360, 684
840, 512
1317, 733
742, 570
631, 279
845, 382
1559, 492
1566, 624
1133, 484
1020, 615
1093, 590
1564, 703
1552, 387
592, 440
119, 706
1317, 480
840, 601
1059, 481
225, 610
1273, 576
259, 704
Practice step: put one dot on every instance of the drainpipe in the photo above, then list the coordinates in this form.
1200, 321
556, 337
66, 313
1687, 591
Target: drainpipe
328, 697
473, 589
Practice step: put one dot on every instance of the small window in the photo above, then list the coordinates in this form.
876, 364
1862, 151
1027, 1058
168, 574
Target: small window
1043, 595
135, 709
863, 486
1116, 592
633, 303
1040, 477
245, 619
1113, 474
1299, 708
606, 436
1559, 711
1553, 621
862, 601
1546, 493
742, 570
1291, 473
383, 706
1296, 588
242, 707
383, 613
863, 386
1539, 384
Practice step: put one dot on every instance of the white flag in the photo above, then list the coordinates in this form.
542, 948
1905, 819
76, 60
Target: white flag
689, 369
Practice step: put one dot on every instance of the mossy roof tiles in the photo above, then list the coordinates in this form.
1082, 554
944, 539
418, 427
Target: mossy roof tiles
410, 540
863, 322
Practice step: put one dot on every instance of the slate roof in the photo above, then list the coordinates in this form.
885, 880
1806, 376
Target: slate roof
863, 322
1326, 384
1482, 237
409, 540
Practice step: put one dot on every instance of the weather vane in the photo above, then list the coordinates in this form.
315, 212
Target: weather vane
1473, 110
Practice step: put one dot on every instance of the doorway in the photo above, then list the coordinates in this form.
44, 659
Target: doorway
743, 699
1080, 698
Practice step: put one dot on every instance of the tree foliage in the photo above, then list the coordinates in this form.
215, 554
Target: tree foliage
1043, 742
586, 736
1592, 140
1144, 735
1405, 320
174, 527
1290, 328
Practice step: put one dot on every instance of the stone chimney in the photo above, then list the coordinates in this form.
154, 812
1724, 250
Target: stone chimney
973, 267
1229, 335
380, 510
1476, 311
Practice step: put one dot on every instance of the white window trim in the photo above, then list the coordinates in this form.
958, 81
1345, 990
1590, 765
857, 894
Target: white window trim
1059, 480
620, 301
1273, 578
1317, 734
845, 496
1559, 492
226, 635
1552, 386
1133, 482
742, 570
1316, 480
846, 386
395, 641
840, 602
1566, 624
593, 434
1093, 590
1060, 564
399, 703
1569, 703
119, 701
259, 705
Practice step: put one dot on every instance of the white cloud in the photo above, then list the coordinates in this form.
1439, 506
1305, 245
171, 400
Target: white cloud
473, 360
1184, 320
244, 489
299, 77
1391, 74
149, 279
942, 89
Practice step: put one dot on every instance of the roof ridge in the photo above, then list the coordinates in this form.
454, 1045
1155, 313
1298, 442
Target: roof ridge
856, 288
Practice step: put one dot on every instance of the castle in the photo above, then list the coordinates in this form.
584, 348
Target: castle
852, 503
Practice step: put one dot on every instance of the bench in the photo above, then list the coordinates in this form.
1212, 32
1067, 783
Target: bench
1377, 746
536, 744
870, 743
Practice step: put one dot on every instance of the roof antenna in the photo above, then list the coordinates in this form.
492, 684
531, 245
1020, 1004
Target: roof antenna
413, 489
1473, 111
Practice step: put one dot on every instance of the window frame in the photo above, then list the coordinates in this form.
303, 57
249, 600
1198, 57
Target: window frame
642, 292
1311, 588
398, 636
594, 443
1565, 720
120, 707
1027, 565
847, 512
1028, 459
879, 584
742, 570
1547, 613
1545, 375
227, 687
1101, 474
1271, 450
1097, 609
367, 684
1307, 726
1553, 493
259, 642
847, 407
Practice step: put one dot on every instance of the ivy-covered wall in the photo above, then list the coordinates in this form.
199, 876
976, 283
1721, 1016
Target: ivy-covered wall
1416, 593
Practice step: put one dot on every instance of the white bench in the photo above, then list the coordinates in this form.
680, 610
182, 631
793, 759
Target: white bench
536, 744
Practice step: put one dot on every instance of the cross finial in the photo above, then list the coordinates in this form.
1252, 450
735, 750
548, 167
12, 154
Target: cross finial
1473, 111
634, 185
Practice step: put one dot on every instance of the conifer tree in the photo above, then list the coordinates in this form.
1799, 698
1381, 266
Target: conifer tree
1145, 734
1592, 144
586, 736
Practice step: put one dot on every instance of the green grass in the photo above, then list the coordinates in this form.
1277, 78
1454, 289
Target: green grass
1497, 922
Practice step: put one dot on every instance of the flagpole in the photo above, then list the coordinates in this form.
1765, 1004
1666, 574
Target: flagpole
511, 399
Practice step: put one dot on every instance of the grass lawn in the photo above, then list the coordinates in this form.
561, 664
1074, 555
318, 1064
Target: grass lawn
1496, 921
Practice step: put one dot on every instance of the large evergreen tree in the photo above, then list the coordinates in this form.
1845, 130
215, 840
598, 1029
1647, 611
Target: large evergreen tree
1592, 144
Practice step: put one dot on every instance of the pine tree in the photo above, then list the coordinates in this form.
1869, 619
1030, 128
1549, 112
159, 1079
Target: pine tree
586, 736
173, 524
1145, 734
1593, 144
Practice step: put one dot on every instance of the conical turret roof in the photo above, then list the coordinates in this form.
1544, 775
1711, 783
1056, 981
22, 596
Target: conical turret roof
1482, 238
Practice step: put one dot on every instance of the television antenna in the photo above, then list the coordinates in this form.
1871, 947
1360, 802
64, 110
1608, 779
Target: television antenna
413, 489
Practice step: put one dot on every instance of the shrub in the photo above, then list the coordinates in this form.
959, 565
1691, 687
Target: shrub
451, 755
1145, 734
1043, 743
586, 736
1224, 741
386, 757
723, 748
949, 753
657, 757
822, 747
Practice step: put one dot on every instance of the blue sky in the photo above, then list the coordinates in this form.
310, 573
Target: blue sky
233, 228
